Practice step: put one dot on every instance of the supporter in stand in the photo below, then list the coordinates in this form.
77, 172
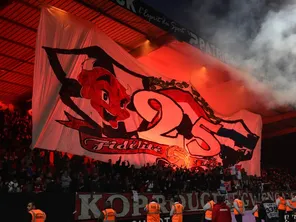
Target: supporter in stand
26, 170
13, 186
66, 180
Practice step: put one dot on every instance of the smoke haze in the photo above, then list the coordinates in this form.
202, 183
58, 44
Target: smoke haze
261, 36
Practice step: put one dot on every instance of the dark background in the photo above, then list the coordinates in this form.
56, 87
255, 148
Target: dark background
59, 207
279, 152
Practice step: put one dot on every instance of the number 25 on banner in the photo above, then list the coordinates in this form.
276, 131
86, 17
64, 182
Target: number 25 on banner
168, 115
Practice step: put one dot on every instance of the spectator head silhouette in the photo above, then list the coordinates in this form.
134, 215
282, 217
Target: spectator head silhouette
237, 197
210, 197
31, 206
108, 205
287, 196
176, 198
220, 199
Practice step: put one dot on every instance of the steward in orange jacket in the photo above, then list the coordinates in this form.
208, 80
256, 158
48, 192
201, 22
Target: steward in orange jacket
208, 208
35, 215
153, 211
177, 210
239, 208
281, 204
108, 214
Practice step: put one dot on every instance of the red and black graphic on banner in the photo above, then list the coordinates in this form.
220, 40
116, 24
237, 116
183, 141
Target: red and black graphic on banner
176, 124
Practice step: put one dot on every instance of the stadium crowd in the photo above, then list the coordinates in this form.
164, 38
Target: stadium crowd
26, 170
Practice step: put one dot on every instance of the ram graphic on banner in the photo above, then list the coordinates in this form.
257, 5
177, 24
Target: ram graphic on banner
92, 98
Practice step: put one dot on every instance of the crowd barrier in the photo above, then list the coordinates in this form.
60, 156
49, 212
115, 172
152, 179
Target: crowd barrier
85, 207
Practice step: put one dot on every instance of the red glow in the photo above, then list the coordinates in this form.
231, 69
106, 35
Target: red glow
218, 84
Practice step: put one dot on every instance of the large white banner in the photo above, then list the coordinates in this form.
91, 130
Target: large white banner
92, 98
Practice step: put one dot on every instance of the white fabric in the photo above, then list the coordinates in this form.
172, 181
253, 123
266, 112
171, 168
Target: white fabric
222, 188
135, 196
271, 210
288, 204
239, 175
235, 205
255, 208
173, 209
233, 170
207, 206
58, 29
13, 187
